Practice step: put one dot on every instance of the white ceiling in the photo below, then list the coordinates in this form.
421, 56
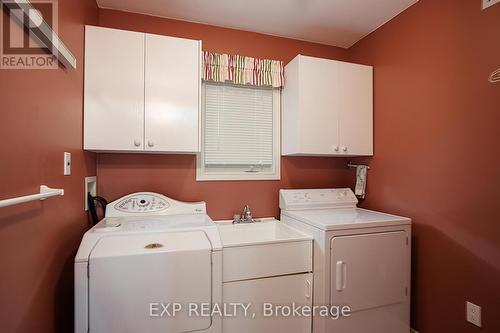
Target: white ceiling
333, 22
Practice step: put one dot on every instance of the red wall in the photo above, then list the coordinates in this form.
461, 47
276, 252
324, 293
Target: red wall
437, 153
41, 117
174, 175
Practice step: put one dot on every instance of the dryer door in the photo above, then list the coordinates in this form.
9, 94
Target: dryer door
133, 278
369, 270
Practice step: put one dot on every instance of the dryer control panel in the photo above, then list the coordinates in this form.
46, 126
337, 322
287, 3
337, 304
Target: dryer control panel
317, 199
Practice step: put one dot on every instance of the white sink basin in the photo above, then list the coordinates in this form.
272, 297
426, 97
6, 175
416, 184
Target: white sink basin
267, 231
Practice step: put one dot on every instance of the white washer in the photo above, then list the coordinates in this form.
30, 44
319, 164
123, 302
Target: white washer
149, 251
361, 259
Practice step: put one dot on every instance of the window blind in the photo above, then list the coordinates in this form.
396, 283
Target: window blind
238, 125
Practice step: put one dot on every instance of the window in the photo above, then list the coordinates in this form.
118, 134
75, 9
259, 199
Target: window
240, 133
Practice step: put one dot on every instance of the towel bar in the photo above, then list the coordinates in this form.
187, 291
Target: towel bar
45, 192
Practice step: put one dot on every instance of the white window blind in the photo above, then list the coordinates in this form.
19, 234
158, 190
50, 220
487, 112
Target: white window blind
238, 125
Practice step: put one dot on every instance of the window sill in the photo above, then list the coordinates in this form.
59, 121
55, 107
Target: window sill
236, 177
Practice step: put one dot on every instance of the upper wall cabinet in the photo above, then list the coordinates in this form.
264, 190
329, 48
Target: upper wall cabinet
142, 92
327, 108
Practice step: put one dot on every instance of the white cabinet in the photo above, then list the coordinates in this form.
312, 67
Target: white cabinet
114, 89
298, 259
172, 91
142, 92
283, 290
266, 263
327, 108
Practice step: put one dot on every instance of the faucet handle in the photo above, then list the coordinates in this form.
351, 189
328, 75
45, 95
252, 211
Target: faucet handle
247, 213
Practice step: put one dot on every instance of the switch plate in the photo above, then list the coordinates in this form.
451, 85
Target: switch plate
473, 313
90, 186
489, 3
67, 164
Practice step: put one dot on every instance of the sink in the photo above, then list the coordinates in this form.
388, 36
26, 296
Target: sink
266, 231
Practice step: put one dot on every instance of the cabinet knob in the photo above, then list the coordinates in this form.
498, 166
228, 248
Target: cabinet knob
335, 148
151, 143
137, 143
344, 149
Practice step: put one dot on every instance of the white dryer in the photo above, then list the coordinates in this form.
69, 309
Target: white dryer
361, 259
149, 251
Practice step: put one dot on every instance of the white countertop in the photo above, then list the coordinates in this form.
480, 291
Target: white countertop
267, 231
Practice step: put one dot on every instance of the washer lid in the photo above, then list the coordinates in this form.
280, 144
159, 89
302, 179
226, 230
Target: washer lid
148, 243
345, 218
131, 278
156, 223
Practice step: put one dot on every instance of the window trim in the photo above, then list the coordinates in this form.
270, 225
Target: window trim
203, 175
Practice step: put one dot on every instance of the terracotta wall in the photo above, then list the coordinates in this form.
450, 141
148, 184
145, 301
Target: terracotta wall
437, 153
436, 147
41, 117
174, 175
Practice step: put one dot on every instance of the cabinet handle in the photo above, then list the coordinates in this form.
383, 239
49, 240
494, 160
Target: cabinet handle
344, 149
340, 275
335, 148
151, 143
308, 289
137, 143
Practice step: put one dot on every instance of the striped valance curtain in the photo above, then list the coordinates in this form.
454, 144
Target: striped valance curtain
243, 70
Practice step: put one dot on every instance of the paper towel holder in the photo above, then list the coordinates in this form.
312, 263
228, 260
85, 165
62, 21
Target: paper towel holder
352, 165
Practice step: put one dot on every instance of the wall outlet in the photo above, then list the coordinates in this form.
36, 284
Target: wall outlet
90, 186
473, 313
489, 3
67, 164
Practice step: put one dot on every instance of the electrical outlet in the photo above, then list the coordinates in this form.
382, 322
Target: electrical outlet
90, 186
489, 3
67, 164
473, 313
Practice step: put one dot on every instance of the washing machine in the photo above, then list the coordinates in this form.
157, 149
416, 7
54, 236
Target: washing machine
362, 261
140, 268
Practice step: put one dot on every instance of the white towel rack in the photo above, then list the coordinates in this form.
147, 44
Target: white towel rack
45, 192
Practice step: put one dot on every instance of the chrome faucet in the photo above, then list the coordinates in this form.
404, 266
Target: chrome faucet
245, 217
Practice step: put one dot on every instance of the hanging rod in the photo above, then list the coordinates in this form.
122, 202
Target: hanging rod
351, 165
45, 192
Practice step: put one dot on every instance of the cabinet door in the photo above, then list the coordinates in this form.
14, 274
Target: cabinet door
283, 290
114, 89
172, 94
355, 105
318, 110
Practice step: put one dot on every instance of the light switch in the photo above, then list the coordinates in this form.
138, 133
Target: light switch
67, 164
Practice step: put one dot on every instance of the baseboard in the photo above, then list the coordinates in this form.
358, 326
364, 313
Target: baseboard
413, 331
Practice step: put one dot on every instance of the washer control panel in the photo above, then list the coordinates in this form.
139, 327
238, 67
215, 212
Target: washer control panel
317, 199
140, 203
149, 203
